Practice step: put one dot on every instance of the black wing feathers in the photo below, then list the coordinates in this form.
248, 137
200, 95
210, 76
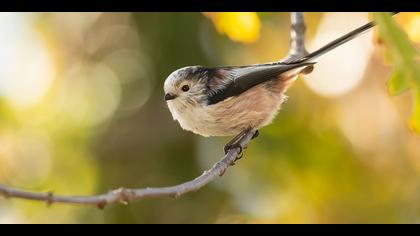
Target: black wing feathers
245, 78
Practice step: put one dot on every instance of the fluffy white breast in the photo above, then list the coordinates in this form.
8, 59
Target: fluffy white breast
192, 117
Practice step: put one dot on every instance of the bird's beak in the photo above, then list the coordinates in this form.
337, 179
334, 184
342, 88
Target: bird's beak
170, 96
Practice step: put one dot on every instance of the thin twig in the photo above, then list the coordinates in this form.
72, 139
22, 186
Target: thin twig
124, 195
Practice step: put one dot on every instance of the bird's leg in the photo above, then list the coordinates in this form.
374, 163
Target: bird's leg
255, 134
234, 142
240, 155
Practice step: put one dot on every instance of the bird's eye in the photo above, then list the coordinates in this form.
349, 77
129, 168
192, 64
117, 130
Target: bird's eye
185, 88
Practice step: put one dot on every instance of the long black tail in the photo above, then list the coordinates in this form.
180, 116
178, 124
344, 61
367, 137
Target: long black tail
339, 41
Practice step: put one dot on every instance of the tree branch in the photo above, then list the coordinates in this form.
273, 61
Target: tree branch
297, 37
124, 195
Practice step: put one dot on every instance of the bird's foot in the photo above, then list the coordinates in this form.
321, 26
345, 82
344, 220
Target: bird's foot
256, 134
229, 147
234, 146
235, 143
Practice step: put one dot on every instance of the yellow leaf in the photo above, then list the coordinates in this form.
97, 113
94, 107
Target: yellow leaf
415, 117
241, 27
410, 21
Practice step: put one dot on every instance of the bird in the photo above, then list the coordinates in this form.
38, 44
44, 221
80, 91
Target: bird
233, 100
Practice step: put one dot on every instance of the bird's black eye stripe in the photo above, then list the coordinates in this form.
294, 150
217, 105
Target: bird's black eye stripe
185, 88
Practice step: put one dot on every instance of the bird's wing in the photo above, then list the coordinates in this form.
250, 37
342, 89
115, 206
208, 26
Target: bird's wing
232, 81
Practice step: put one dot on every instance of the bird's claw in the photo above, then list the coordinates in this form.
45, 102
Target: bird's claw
255, 134
233, 146
235, 143
240, 155
228, 147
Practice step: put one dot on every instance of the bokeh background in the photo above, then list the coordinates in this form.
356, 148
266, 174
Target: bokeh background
82, 112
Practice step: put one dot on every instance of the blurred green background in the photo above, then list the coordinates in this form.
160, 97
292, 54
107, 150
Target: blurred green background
82, 112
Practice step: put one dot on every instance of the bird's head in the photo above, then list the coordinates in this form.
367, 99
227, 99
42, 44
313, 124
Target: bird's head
186, 86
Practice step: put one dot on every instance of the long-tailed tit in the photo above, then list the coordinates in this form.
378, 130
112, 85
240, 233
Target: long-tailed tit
232, 100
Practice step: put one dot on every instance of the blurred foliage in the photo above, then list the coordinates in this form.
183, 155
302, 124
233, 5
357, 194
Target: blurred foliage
239, 26
410, 22
404, 55
82, 112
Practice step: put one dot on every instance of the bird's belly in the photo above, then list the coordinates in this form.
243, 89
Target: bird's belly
253, 109
201, 121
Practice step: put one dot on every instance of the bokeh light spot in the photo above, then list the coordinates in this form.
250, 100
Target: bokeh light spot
341, 69
26, 156
26, 66
90, 95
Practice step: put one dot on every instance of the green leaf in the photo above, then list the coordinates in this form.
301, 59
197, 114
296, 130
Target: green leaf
398, 83
397, 41
402, 54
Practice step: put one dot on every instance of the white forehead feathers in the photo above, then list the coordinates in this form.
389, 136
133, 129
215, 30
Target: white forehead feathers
176, 77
